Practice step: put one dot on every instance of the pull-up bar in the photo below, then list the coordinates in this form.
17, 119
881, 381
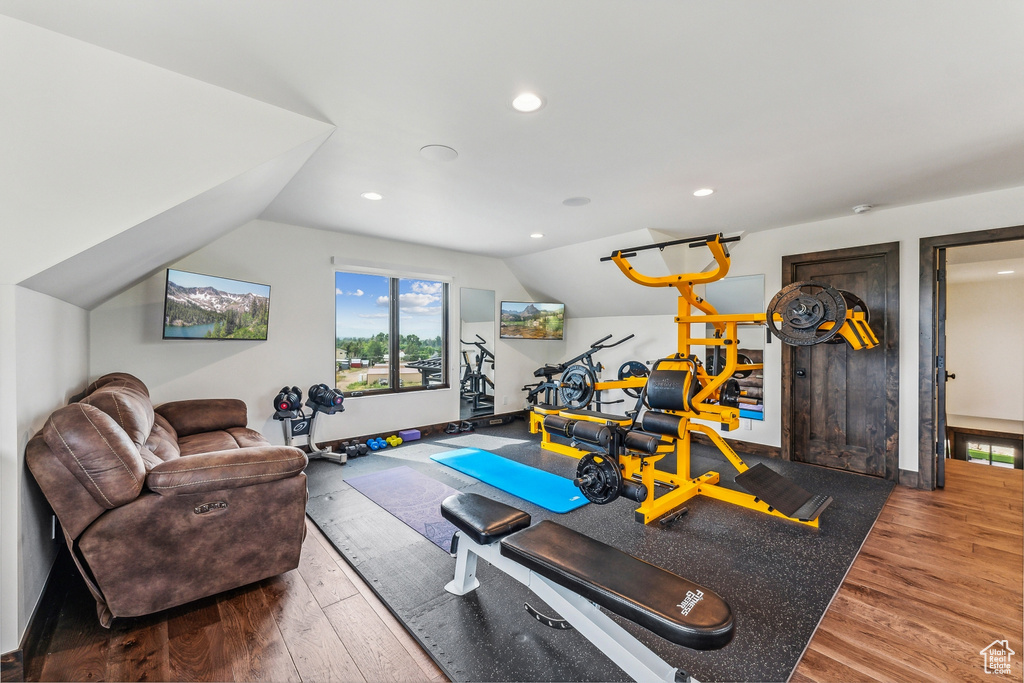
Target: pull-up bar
629, 252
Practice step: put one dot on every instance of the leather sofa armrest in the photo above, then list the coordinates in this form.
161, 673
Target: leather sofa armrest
230, 469
204, 415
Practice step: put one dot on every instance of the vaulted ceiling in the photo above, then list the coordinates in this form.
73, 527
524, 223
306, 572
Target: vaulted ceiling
119, 111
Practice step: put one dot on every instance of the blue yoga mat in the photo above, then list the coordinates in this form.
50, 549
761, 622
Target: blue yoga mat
547, 490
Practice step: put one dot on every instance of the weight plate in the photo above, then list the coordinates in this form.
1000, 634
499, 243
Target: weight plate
729, 394
803, 308
741, 360
630, 369
576, 387
598, 478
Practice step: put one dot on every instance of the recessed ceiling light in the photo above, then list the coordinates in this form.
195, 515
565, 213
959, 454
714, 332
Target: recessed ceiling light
372, 196
527, 102
576, 201
438, 153
537, 235
703, 192
1005, 272
862, 208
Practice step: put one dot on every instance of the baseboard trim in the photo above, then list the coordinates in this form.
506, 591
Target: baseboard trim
910, 479
15, 665
426, 430
747, 447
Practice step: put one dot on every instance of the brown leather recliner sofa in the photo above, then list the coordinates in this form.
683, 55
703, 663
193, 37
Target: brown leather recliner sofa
162, 506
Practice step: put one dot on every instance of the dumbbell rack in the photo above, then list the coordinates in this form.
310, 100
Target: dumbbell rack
307, 427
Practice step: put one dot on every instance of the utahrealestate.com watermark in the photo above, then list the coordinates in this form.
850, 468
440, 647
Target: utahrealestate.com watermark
997, 657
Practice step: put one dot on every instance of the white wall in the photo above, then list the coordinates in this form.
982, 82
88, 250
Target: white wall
44, 347
125, 332
985, 350
10, 468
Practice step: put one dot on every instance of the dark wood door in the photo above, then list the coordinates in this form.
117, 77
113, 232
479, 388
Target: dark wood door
843, 403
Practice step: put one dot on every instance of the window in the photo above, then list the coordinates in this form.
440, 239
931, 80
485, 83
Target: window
380, 347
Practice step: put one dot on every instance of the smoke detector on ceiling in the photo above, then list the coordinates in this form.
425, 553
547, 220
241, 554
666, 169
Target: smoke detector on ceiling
862, 208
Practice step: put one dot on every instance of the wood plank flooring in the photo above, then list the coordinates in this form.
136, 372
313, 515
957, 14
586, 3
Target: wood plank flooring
319, 622
939, 578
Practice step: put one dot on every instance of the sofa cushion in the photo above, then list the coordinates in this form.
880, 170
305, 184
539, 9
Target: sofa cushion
93, 447
163, 440
127, 406
221, 440
204, 415
118, 378
225, 469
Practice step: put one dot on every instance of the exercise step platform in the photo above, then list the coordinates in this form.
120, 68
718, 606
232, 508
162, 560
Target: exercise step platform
782, 494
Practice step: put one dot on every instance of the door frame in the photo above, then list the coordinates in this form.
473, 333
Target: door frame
928, 347
889, 339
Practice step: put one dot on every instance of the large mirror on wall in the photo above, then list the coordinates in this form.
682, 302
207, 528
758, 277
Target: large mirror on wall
476, 352
732, 295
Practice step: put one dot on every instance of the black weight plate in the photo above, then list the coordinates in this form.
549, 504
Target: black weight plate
601, 480
630, 369
577, 386
803, 313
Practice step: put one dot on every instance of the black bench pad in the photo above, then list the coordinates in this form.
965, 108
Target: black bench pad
595, 415
623, 584
481, 518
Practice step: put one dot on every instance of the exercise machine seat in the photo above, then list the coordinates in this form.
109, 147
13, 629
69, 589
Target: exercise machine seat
623, 584
481, 518
593, 415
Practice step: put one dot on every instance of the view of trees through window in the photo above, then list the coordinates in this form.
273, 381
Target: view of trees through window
370, 332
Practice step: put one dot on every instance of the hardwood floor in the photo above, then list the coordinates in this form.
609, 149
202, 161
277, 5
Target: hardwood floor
939, 578
319, 622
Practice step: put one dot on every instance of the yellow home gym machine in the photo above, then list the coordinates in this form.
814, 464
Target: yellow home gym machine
618, 459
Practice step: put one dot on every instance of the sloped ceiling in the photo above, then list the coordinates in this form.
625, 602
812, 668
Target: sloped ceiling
792, 110
589, 287
112, 165
90, 277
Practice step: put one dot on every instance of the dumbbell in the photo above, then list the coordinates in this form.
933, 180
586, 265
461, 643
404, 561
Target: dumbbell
394, 440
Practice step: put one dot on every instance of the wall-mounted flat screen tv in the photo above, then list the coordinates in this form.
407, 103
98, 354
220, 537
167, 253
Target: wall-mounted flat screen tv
207, 307
531, 320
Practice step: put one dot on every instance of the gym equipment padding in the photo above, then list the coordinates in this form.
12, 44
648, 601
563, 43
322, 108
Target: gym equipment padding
623, 584
575, 574
638, 441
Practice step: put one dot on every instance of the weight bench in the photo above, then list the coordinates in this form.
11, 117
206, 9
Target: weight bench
575, 575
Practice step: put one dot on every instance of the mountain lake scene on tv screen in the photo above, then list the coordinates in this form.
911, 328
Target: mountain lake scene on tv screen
524, 320
204, 307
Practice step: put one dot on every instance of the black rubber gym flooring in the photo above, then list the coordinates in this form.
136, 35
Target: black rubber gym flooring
777, 576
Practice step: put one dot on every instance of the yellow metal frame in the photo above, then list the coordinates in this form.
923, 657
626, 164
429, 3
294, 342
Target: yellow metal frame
694, 309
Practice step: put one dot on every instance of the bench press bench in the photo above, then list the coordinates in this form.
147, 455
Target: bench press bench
575, 574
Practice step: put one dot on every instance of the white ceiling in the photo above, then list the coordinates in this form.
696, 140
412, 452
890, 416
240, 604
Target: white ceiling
793, 110
985, 262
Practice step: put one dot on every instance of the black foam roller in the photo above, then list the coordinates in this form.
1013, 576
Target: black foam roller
558, 425
645, 443
661, 423
591, 432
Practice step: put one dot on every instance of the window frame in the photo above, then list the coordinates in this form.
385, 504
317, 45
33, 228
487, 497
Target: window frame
394, 330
